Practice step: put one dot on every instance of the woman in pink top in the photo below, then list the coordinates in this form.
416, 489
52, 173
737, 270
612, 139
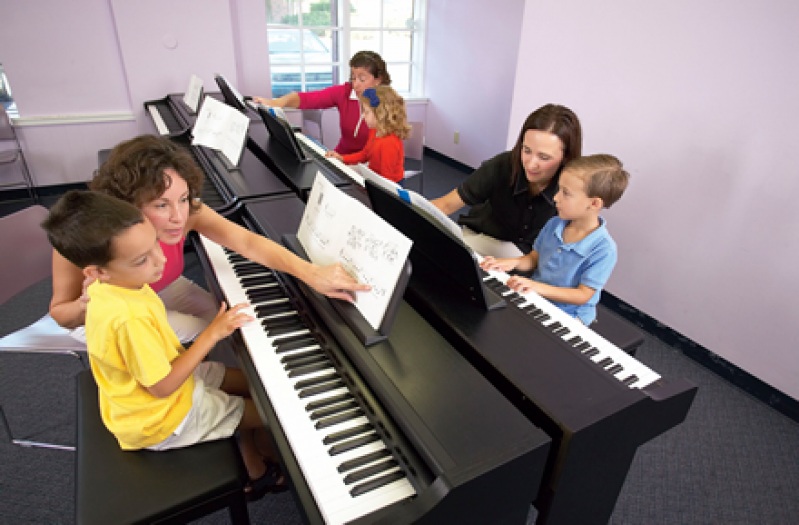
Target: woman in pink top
367, 70
162, 179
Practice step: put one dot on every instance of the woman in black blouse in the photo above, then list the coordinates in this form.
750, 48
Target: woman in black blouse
511, 195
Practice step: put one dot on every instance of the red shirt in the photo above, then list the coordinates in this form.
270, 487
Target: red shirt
349, 114
173, 267
386, 156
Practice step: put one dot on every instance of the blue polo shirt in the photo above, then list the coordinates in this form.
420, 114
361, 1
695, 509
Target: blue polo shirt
589, 262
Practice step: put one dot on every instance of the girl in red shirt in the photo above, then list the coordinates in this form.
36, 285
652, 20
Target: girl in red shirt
384, 112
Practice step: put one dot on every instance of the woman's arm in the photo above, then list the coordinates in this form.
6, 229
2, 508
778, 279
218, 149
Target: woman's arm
290, 100
331, 280
449, 203
68, 305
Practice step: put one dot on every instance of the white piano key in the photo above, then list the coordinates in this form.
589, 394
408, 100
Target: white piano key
319, 468
354, 175
160, 125
630, 365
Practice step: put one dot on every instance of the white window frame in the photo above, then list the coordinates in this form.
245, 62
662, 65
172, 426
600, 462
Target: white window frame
344, 29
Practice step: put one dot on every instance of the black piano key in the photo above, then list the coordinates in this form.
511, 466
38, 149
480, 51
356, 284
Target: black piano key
305, 361
321, 389
574, 341
310, 369
518, 299
615, 369
319, 403
301, 355
561, 331
299, 385
591, 352
267, 293
605, 362
363, 460
236, 258
493, 281
368, 472
630, 380
339, 418
554, 326
294, 342
276, 332
268, 310
283, 321
332, 410
246, 264
376, 483
254, 270
532, 310
353, 444
542, 318
249, 282
582, 346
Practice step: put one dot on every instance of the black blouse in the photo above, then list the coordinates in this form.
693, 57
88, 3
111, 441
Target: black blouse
506, 212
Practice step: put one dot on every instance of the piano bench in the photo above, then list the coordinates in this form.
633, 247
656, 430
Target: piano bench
617, 330
143, 486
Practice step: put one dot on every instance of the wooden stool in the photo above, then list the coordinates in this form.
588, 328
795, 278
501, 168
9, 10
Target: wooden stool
144, 486
618, 331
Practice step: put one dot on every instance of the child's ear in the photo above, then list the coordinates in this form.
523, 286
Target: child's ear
95, 272
597, 203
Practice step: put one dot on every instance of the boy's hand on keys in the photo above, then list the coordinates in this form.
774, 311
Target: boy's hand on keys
503, 265
228, 320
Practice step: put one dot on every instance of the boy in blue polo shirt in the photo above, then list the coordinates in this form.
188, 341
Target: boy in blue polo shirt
574, 255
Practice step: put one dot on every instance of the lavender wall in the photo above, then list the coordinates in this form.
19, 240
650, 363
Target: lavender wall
472, 49
698, 98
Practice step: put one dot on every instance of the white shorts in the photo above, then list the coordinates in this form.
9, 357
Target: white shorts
487, 245
189, 310
213, 414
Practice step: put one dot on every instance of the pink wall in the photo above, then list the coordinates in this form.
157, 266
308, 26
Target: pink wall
472, 49
698, 99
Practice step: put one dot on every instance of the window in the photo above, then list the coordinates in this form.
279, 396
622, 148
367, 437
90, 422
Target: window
6, 98
311, 42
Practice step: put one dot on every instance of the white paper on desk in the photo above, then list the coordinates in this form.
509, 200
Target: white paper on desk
222, 128
338, 228
192, 96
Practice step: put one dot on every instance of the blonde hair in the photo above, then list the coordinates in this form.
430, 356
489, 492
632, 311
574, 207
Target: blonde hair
603, 176
390, 113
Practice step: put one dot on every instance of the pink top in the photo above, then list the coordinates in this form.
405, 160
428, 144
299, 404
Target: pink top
173, 267
349, 114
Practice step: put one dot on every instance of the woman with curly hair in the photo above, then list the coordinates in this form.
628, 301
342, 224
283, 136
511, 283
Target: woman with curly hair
161, 179
367, 70
384, 112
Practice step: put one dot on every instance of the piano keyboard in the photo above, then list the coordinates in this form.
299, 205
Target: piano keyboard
320, 150
615, 361
347, 466
160, 125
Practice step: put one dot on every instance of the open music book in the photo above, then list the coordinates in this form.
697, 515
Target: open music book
338, 228
222, 128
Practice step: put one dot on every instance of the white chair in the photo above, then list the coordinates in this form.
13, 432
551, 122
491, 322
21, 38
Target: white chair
26, 260
11, 158
315, 116
414, 153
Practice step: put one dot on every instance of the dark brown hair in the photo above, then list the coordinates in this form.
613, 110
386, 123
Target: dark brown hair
603, 176
134, 172
373, 63
555, 119
82, 225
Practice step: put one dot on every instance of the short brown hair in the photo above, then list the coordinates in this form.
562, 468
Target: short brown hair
555, 119
390, 113
82, 225
373, 63
603, 176
134, 172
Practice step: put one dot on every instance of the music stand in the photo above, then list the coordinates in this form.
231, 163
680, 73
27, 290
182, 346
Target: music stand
232, 97
281, 131
435, 251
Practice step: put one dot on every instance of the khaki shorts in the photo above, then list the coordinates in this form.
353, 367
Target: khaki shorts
213, 415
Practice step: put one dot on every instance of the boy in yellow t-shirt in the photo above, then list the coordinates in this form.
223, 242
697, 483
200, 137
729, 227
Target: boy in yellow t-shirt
153, 393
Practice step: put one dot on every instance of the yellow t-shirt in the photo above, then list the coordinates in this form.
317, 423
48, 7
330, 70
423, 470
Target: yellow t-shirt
131, 345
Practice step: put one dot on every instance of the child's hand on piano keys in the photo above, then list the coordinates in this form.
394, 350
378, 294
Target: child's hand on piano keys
334, 281
503, 265
226, 321
336, 155
522, 285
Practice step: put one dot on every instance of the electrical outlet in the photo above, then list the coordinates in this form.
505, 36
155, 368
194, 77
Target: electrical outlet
457, 137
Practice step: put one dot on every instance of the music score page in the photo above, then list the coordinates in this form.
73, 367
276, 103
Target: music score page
338, 228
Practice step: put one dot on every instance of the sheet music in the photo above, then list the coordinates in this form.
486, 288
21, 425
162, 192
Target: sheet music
222, 128
427, 207
338, 228
193, 92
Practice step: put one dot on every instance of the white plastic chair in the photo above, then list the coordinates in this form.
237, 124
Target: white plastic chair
12, 157
26, 259
414, 153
